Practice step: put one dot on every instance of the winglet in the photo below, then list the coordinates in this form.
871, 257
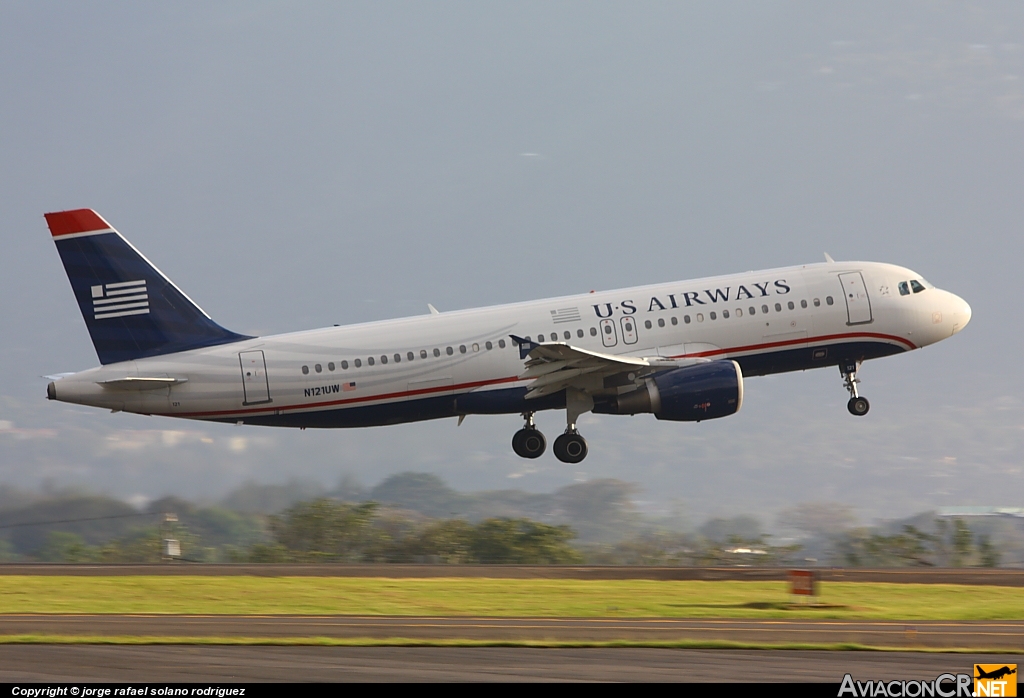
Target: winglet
828, 258
525, 345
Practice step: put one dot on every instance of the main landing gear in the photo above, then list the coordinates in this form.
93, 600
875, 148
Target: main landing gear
858, 406
528, 442
570, 447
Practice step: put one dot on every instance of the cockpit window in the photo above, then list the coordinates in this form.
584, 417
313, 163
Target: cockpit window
904, 289
916, 285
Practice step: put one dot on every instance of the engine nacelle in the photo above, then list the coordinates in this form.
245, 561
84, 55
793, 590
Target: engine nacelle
690, 394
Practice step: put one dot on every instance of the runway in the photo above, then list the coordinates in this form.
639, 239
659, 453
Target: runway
221, 665
1002, 635
974, 576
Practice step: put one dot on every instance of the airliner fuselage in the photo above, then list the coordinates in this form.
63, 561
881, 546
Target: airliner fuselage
679, 350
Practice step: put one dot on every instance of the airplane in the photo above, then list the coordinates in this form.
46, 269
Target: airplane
678, 350
996, 673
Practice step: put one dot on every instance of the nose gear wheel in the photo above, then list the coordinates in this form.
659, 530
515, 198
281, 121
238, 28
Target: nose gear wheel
858, 406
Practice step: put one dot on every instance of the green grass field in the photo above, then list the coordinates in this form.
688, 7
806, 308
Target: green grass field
202, 595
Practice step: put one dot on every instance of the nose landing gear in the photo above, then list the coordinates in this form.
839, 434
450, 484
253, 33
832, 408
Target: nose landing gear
529, 442
858, 406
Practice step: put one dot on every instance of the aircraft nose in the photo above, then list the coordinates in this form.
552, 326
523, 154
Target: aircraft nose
961, 313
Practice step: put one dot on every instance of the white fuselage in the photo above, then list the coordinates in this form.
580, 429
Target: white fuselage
463, 362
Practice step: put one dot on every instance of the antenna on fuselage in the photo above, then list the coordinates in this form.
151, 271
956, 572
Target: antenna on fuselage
433, 310
828, 258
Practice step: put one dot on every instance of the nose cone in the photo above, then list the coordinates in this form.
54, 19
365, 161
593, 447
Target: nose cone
961, 314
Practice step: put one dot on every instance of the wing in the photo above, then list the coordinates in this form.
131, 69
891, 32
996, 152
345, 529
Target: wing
555, 366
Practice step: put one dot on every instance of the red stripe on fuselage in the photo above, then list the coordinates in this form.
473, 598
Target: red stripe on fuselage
82, 220
809, 340
516, 379
363, 398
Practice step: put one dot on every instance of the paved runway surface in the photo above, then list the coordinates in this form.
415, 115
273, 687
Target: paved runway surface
999, 577
220, 665
1003, 635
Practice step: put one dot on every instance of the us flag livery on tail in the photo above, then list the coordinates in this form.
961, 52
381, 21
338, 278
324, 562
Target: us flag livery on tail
678, 350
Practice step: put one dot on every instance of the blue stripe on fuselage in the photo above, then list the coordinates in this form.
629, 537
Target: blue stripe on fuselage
513, 400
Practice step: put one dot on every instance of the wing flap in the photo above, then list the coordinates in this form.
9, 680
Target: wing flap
555, 366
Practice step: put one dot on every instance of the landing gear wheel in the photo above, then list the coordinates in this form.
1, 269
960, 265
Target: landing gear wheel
858, 406
528, 442
570, 448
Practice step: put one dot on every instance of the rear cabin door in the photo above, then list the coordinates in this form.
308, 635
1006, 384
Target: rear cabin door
608, 336
255, 386
858, 305
628, 330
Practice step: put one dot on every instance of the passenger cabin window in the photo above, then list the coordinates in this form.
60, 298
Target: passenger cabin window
384, 359
675, 321
410, 356
916, 285
437, 352
725, 315
686, 319
764, 309
476, 347
647, 324
344, 365
803, 304
369, 361
449, 351
817, 303
398, 358
791, 306
501, 343
489, 346
752, 310
305, 370
462, 348
567, 334
318, 368
778, 307
700, 317
593, 331
330, 366
828, 300
661, 322
359, 362
579, 333
739, 312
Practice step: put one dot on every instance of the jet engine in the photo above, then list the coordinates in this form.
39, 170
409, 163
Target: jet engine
690, 394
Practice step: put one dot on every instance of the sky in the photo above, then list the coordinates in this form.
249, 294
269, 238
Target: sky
298, 165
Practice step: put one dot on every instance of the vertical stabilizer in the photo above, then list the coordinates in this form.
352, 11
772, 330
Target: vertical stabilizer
131, 309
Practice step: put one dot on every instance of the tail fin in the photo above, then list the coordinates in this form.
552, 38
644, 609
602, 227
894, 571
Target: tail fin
131, 309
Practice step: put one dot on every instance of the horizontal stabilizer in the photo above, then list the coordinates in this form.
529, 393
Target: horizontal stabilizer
141, 383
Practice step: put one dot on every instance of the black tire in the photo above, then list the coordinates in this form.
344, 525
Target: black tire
570, 448
858, 406
529, 443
